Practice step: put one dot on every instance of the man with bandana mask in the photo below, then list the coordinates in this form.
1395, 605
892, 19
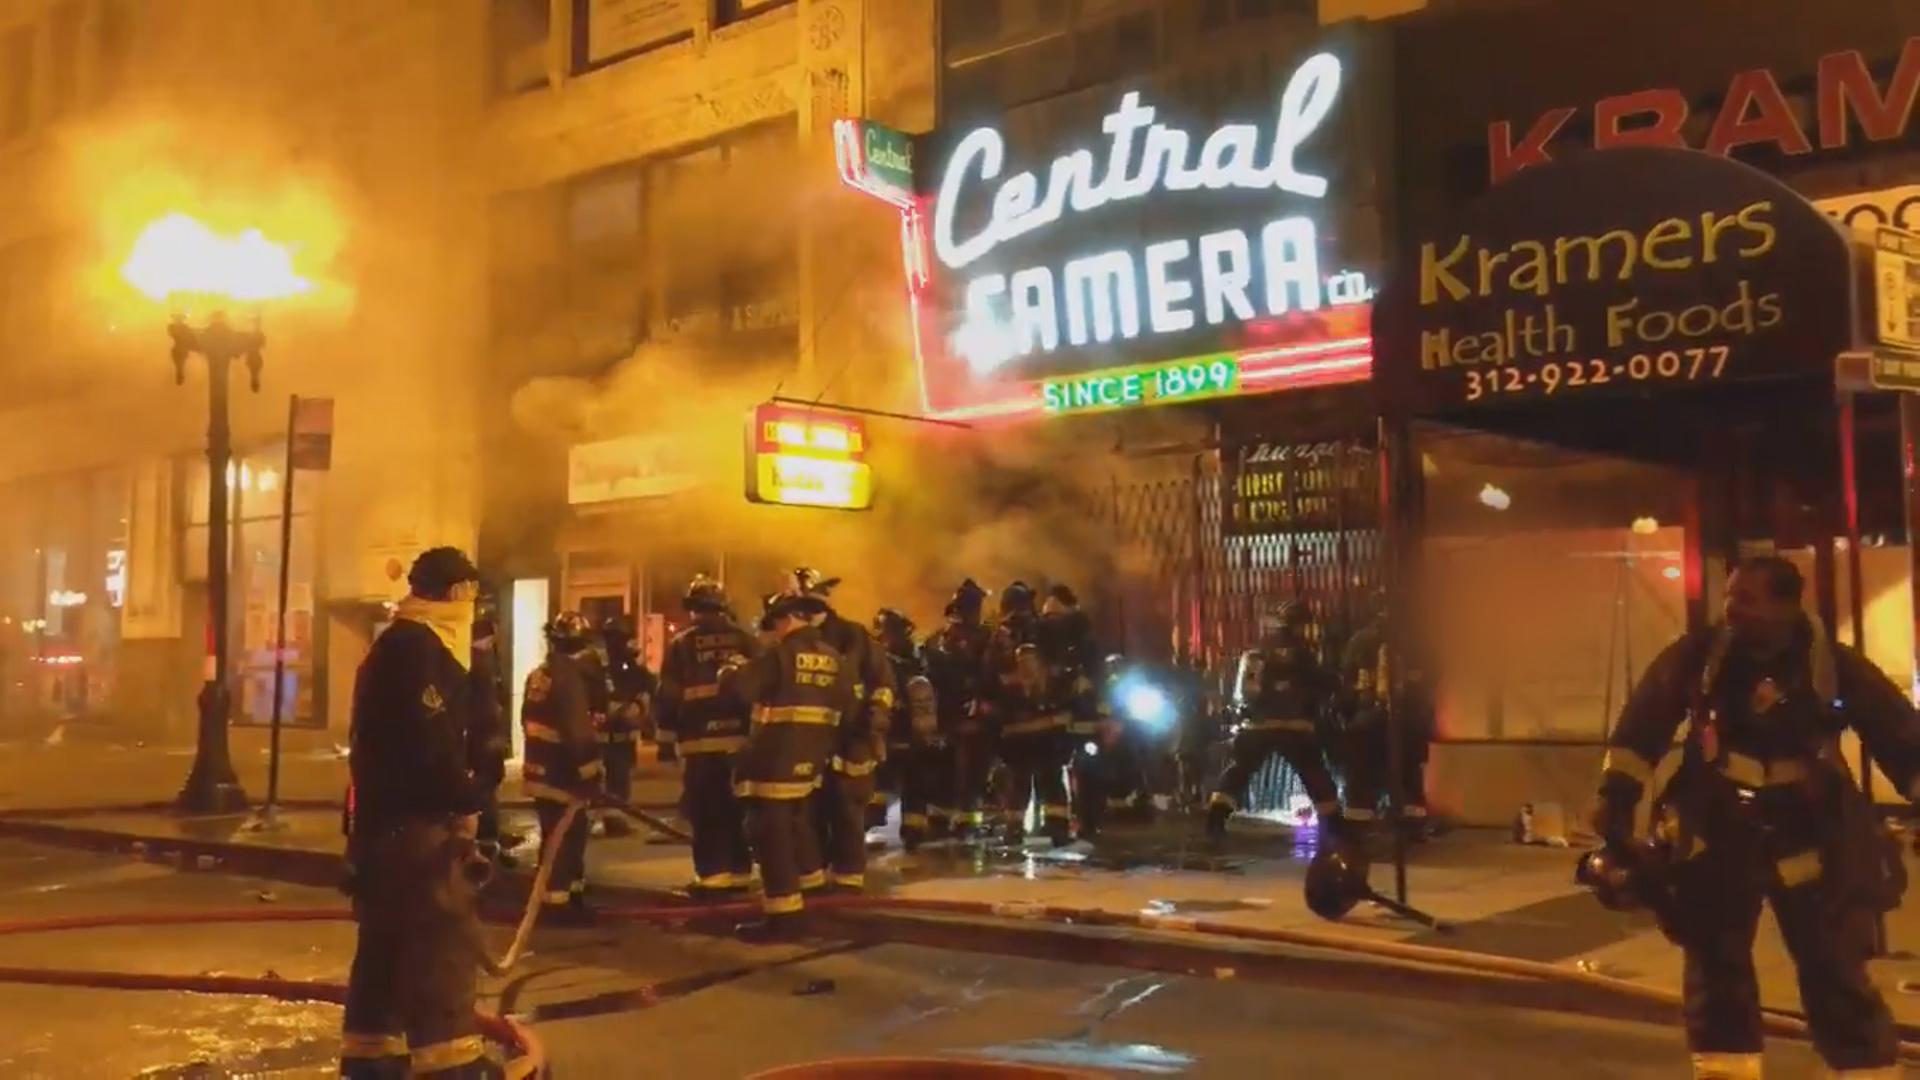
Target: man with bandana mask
412, 814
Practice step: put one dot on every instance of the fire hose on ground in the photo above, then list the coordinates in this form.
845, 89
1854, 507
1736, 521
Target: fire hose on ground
530, 1055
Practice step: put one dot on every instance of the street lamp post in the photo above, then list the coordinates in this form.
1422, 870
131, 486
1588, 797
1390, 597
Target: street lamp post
177, 259
212, 787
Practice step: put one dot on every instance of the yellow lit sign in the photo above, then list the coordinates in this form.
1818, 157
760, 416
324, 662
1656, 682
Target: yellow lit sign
799, 456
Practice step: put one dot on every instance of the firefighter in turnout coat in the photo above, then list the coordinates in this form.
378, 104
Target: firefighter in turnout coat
799, 688
1763, 810
563, 756
709, 729
412, 814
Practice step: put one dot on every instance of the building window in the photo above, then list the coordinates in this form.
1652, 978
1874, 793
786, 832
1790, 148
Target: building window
16, 82
518, 33
609, 31
113, 32
65, 30
732, 11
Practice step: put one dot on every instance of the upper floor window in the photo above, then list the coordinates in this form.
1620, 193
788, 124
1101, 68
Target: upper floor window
518, 33
608, 31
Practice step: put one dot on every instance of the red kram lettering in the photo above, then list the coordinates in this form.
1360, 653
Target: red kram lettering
1509, 158
1773, 122
1845, 83
1668, 108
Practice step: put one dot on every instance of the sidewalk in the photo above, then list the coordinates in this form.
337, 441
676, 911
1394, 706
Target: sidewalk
77, 775
1501, 899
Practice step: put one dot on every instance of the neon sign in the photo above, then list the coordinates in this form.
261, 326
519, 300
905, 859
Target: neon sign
798, 456
1067, 285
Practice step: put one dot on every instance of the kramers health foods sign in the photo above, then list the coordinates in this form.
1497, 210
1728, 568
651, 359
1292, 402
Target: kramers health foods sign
1641, 271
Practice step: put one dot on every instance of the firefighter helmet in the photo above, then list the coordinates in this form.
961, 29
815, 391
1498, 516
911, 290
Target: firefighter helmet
704, 594
810, 582
789, 602
889, 625
967, 600
1334, 884
1017, 599
568, 630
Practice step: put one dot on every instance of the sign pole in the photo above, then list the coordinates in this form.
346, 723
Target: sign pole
280, 616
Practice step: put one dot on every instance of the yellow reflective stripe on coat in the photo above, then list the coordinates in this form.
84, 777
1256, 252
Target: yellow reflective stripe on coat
1798, 869
445, 1055
1626, 763
590, 770
356, 1044
1751, 772
853, 768
883, 697
1710, 1066
774, 789
795, 714
539, 732
1280, 725
718, 744
1053, 722
700, 693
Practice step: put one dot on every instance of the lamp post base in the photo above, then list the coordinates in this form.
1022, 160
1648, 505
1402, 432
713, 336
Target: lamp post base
212, 787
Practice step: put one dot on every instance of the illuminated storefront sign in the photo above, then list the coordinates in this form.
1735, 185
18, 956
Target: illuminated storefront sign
1694, 272
1083, 255
1848, 104
798, 456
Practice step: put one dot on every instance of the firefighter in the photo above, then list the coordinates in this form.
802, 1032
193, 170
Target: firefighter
709, 729
918, 756
1077, 677
848, 795
1283, 688
414, 809
1365, 687
955, 660
629, 696
1763, 808
799, 688
1030, 720
488, 743
563, 757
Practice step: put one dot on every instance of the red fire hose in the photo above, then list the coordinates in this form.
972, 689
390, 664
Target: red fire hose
530, 1059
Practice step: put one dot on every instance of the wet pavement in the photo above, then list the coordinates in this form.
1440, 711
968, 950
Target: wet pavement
640, 1001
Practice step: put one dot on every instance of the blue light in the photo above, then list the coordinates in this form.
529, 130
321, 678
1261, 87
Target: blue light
1146, 704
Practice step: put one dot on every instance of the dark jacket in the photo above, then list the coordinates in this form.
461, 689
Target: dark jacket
872, 686
633, 688
693, 712
411, 715
1762, 744
563, 750
1285, 685
905, 663
1076, 668
1001, 690
488, 742
799, 688
955, 659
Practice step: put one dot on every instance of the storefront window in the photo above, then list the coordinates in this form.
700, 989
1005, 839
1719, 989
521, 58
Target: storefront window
1552, 578
255, 485
62, 582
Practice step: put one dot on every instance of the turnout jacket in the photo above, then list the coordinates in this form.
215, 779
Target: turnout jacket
694, 713
955, 658
872, 687
1283, 685
411, 720
563, 749
799, 689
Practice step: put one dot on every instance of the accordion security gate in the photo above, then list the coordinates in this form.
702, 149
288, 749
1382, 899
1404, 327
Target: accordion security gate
1197, 578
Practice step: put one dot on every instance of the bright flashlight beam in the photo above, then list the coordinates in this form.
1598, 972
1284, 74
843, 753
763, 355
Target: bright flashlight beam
1147, 705
178, 255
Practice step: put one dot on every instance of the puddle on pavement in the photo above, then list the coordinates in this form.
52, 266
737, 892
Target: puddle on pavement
1169, 908
1113, 1057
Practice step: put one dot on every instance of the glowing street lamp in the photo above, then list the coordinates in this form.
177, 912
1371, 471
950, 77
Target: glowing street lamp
179, 260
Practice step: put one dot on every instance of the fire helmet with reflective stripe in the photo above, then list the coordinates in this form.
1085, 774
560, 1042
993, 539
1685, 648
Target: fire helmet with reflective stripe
1017, 599
810, 582
568, 630
704, 594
